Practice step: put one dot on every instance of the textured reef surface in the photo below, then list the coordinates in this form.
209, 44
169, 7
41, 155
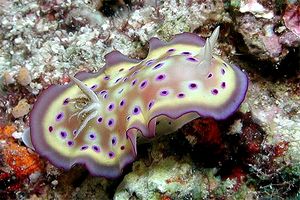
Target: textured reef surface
96, 120
170, 120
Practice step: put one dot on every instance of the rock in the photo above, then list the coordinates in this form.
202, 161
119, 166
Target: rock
291, 18
21, 109
23, 76
260, 25
168, 177
171, 178
290, 39
256, 9
34, 176
54, 182
7, 78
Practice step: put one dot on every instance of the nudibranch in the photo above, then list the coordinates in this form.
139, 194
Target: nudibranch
94, 120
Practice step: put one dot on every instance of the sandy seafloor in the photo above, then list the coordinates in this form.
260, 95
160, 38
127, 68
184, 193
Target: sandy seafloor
254, 154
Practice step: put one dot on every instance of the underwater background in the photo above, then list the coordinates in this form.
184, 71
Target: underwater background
251, 152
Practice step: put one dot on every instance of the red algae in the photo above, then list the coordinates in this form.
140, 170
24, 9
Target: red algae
281, 148
205, 136
252, 136
65, 79
21, 162
203, 131
236, 155
238, 174
18, 163
6, 131
165, 197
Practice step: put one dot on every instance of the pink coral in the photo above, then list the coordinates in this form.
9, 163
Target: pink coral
292, 18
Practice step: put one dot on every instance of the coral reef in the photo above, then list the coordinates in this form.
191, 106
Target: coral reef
261, 28
172, 179
254, 154
20, 169
101, 114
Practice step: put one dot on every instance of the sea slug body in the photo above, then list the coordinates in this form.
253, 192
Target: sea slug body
94, 120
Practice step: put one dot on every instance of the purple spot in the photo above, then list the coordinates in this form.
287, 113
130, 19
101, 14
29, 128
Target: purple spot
94, 87
106, 78
50, 128
96, 148
84, 147
70, 143
66, 101
122, 103
136, 110
122, 69
110, 122
223, 85
133, 82
214, 91
159, 65
118, 80
63, 134
92, 136
143, 84
223, 71
128, 118
59, 116
122, 147
193, 86
114, 141
149, 62
186, 53
74, 132
150, 105
125, 79
103, 92
164, 93
192, 59
171, 50
180, 95
99, 120
111, 107
209, 75
105, 96
120, 91
111, 154
160, 77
